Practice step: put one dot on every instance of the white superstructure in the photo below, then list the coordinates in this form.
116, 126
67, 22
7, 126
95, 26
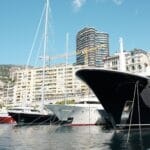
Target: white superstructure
86, 112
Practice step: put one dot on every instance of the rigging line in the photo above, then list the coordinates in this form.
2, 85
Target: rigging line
135, 89
51, 30
139, 112
30, 54
35, 38
31, 51
42, 38
38, 52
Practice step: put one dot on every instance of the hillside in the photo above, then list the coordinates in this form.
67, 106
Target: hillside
6, 70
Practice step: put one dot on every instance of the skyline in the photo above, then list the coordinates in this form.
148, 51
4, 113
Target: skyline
119, 18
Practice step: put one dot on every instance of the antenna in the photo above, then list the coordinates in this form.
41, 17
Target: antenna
67, 47
121, 44
122, 60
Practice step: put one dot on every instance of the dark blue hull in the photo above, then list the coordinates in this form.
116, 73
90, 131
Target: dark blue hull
33, 119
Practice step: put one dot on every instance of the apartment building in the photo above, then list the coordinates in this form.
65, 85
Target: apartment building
137, 61
59, 82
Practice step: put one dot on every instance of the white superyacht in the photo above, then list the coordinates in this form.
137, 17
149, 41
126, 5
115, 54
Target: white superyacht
87, 112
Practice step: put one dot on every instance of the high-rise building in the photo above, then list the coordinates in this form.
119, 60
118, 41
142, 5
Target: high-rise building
92, 47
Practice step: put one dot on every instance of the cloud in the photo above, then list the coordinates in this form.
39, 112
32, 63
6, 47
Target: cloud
118, 2
78, 4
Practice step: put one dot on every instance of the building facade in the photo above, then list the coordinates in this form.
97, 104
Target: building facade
137, 61
59, 82
91, 47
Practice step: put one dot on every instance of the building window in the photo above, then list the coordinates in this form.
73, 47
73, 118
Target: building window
127, 68
140, 67
133, 68
133, 60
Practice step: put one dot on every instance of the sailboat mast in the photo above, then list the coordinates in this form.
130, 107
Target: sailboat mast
67, 47
44, 51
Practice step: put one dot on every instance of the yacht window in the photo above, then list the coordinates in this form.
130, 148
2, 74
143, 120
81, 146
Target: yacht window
90, 102
80, 103
33, 110
15, 109
126, 111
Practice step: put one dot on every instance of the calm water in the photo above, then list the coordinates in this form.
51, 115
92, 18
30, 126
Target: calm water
48, 137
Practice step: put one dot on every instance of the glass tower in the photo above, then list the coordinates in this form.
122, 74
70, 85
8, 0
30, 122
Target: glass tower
91, 47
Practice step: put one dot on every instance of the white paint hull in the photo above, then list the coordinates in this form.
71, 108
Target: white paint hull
79, 114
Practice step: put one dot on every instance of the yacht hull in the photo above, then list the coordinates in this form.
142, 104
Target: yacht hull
7, 120
75, 115
116, 91
33, 119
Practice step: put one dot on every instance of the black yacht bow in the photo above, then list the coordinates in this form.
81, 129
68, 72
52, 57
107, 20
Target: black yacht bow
120, 94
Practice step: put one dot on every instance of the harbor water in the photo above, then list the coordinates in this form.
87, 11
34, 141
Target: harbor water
50, 137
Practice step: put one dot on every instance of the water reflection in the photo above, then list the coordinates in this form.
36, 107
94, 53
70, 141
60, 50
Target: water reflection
50, 137
90, 137
136, 141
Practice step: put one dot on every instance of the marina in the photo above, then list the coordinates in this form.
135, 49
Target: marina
95, 97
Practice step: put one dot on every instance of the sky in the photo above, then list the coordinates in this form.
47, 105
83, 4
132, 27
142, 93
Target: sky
19, 20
